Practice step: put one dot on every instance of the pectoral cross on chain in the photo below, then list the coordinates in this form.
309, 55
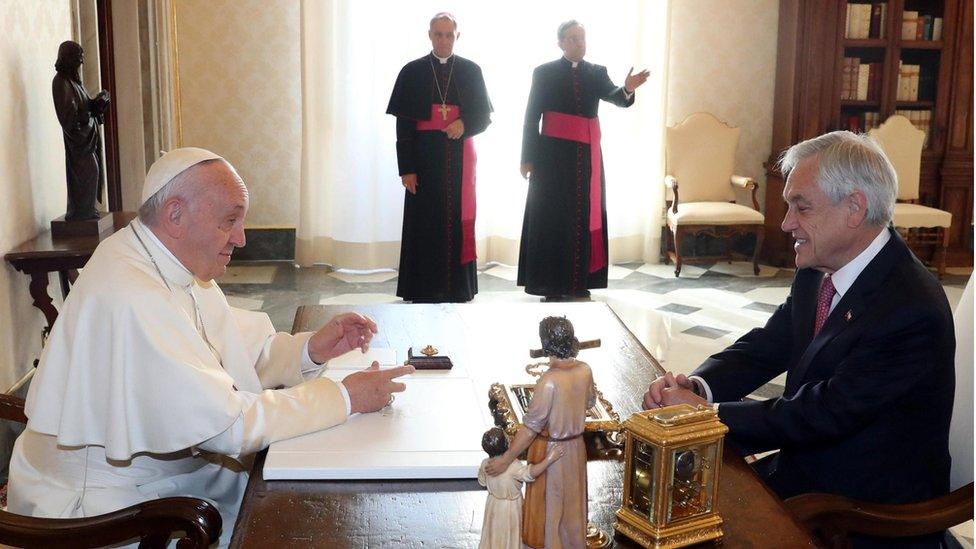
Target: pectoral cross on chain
444, 110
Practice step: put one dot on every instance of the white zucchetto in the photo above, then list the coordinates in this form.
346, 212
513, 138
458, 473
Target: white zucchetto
172, 164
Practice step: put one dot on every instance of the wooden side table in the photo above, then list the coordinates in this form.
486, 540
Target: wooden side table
44, 254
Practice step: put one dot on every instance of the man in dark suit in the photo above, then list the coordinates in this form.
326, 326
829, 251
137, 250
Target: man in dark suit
865, 337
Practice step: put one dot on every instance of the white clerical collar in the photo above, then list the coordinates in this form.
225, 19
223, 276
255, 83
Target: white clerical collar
443, 60
174, 268
575, 63
844, 278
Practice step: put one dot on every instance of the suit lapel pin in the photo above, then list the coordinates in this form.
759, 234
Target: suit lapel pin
848, 316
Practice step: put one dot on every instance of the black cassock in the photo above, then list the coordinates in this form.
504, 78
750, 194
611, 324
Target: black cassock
554, 257
430, 252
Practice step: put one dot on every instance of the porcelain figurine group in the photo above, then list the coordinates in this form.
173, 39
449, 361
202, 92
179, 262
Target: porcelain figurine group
554, 510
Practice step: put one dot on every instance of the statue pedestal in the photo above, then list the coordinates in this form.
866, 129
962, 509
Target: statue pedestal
87, 227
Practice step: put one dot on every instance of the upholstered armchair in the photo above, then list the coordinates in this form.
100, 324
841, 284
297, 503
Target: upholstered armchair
920, 225
699, 161
194, 522
834, 517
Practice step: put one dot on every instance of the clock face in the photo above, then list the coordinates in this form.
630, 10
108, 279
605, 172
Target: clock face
691, 482
641, 499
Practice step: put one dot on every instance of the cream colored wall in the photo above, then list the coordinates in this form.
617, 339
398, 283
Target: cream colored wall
239, 68
723, 61
32, 179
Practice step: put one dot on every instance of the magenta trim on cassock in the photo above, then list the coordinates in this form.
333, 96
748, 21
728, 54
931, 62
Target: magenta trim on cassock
468, 165
584, 130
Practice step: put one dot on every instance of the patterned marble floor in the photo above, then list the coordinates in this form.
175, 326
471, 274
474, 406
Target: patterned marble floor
681, 321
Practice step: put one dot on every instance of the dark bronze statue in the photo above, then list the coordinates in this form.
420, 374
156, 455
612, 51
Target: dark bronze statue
79, 115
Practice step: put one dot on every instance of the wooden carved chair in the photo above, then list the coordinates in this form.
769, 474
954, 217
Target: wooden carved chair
920, 225
834, 517
195, 522
699, 161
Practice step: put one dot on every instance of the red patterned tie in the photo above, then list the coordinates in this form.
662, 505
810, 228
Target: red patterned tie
827, 292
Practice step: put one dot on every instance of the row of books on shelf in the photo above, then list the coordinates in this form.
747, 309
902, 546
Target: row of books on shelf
861, 81
920, 27
909, 77
866, 121
866, 20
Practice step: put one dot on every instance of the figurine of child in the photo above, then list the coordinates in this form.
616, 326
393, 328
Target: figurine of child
555, 509
503, 511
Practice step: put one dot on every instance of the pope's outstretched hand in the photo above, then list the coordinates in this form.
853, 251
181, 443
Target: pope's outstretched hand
345, 332
372, 388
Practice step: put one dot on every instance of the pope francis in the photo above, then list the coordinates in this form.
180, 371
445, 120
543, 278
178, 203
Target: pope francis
151, 385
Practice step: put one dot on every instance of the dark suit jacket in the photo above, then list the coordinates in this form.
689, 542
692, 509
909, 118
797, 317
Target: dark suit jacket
866, 408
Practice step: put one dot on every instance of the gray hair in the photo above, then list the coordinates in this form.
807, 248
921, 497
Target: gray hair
563, 27
182, 186
443, 15
849, 162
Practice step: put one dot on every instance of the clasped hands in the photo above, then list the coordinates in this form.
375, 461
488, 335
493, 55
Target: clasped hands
369, 389
669, 390
100, 102
455, 129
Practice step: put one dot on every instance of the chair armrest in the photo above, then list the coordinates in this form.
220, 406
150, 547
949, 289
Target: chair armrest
12, 408
743, 182
196, 522
151, 521
839, 515
671, 182
747, 183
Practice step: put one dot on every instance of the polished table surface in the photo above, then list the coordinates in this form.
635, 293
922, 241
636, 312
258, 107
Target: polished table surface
492, 341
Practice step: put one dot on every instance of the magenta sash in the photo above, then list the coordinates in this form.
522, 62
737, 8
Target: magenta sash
468, 205
584, 130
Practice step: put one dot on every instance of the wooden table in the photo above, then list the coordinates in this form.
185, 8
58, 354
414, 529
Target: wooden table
44, 254
492, 340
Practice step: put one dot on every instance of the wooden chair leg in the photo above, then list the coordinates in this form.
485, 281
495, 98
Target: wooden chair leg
760, 236
678, 238
668, 241
945, 251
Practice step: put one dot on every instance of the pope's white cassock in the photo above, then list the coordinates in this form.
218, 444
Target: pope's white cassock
151, 386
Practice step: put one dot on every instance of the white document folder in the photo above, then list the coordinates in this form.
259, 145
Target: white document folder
358, 360
432, 430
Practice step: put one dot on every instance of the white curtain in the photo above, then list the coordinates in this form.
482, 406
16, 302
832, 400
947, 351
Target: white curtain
351, 198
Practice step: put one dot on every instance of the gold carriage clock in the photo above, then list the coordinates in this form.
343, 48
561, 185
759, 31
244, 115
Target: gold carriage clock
673, 456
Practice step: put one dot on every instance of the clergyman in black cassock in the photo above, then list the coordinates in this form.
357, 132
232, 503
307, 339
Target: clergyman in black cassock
564, 232
437, 255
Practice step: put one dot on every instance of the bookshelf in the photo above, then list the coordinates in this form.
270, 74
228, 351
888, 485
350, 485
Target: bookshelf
903, 38
850, 64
